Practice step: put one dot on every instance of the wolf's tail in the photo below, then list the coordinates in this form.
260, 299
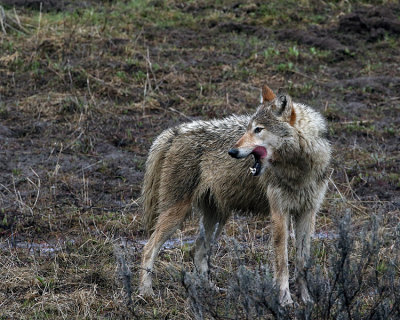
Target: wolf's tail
151, 181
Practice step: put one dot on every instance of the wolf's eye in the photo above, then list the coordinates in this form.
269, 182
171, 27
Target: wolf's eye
258, 130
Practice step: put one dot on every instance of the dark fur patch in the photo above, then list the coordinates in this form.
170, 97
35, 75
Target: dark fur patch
324, 134
175, 133
292, 117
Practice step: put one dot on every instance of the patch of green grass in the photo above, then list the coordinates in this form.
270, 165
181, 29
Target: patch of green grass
321, 54
270, 53
244, 73
4, 221
391, 40
246, 45
394, 177
16, 172
390, 131
300, 89
139, 76
293, 52
371, 66
122, 75
317, 18
7, 45
359, 127
160, 14
284, 67
3, 111
36, 68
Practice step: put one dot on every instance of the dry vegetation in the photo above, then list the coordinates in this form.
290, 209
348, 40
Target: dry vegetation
86, 86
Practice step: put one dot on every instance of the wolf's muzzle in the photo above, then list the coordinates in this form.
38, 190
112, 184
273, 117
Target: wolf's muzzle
234, 153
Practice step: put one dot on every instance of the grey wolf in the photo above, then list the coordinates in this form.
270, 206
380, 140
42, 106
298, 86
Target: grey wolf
207, 165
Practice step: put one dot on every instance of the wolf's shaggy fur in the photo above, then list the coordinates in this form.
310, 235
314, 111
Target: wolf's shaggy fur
189, 166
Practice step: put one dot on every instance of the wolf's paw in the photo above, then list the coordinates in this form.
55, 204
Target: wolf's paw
305, 296
285, 298
146, 292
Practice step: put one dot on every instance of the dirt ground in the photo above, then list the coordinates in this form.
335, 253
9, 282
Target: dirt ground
86, 87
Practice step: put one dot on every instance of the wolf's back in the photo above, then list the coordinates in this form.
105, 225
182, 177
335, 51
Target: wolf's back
151, 181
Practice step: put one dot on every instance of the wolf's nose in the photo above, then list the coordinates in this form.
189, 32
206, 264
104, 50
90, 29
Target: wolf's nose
233, 152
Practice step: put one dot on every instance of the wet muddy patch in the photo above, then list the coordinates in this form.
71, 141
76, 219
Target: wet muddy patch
344, 38
44, 248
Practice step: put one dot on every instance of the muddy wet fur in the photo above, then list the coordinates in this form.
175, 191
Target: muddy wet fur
189, 166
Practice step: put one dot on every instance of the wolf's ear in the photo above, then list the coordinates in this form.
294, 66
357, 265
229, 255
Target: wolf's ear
267, 94
283, 108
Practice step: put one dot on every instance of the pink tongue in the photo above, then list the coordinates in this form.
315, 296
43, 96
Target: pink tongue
260, 151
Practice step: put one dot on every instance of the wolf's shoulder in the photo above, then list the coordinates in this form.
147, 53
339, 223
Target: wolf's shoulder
309, 119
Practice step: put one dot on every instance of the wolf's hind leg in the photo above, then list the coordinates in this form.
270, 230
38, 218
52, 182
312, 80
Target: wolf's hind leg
166, 225
213, 224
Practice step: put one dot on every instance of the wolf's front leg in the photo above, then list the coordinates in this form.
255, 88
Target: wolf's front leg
304, 228
210, 228
280, 241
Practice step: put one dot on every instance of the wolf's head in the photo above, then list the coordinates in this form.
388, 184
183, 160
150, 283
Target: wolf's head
268, 128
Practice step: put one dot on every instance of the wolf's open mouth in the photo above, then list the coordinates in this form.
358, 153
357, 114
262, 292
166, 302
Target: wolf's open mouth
256, 168
258, 153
